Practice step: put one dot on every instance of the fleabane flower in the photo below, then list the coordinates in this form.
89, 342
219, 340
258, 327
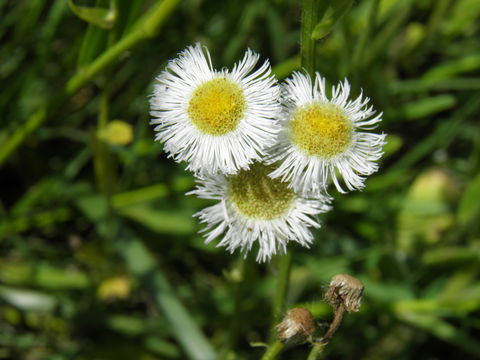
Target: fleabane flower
216, 120
323, 137
253, 207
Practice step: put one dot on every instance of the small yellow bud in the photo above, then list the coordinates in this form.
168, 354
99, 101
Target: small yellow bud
117, 132
114, 288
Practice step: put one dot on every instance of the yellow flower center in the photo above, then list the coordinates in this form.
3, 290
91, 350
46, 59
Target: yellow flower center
321, 129
258, 196
217, 106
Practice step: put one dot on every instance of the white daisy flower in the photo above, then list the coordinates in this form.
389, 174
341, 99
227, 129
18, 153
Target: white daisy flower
253, 207
324, 137
216, 120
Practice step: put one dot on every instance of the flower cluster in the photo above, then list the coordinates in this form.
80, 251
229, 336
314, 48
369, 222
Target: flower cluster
266, 152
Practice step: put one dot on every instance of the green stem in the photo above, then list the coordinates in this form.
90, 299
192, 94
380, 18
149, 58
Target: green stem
242, 271
273, 350
316, 351
312, 10
147, 27
100, 150
103, 158
284, 267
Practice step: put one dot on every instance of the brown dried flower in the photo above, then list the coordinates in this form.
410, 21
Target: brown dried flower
297, 326
344, 294
345, 290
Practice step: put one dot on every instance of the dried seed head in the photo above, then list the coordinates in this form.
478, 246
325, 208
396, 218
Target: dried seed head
297, 326
345, 290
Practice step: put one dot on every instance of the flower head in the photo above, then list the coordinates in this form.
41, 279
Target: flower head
217, 120
254, 207
345, 290
297, 326
321, 136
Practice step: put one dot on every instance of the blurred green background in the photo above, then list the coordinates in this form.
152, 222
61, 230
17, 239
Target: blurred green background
99, 255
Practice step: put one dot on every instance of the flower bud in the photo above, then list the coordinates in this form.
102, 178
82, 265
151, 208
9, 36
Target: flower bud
345, 290
297, 326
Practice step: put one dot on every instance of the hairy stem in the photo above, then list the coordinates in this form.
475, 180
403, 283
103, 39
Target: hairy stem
284, 266
317, 349
322, 343
312, 10
337, 320
242, 270
273, 350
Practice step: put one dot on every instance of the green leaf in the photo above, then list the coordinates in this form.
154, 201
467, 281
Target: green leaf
144, 194
49, 277
27, 299
393, 144
286, 67
323, 269
93, 43
386, 292
425, 213
128, 325
95, 207
335, 13
162, 222
184, 328
451, 254
469, 207
104, 18
322, 29
42, 275
161, 347
442, 330
426, 107
449, 69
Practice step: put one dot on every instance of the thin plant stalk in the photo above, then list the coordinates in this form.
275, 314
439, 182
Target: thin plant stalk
311, 12
273, 350
339, 312
103, 158
316, 351
284, 266
242, 271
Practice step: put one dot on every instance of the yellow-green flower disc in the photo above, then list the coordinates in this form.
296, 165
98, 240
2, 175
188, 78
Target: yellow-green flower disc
258, 196
321, 130
217, 106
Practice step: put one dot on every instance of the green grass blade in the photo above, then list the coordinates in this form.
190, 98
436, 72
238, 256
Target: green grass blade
143, 265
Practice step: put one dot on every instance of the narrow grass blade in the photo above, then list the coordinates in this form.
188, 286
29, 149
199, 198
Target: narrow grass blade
185, 330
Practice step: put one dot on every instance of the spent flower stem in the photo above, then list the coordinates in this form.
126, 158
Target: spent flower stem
273, 350
284, 266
